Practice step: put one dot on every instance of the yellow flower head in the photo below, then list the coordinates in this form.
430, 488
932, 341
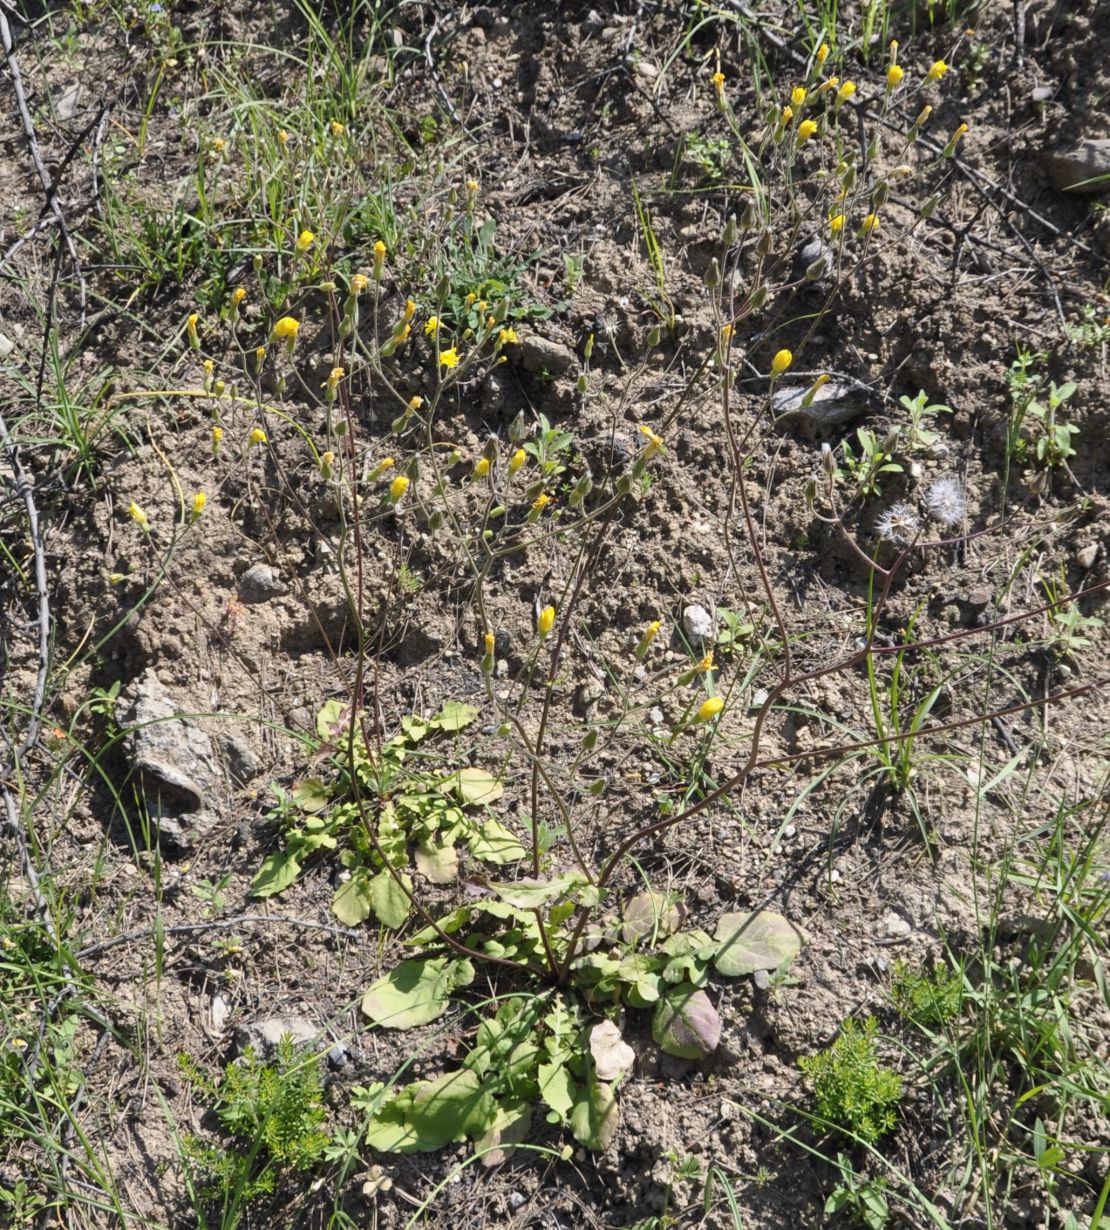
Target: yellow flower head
285, 330
219, 145
846, 91
259, 356
139, 517
217, 437
415, 403
650, 633
654, 442
836, 225
386, 463
869, 224
806, 129
517, 460
191, 331
546, 621
398, 487
718, 80
209, 367
327, 460
780, 363
238, 295
726, 334
334, 376
822, 53
787, 114
508, 337
797, 95
257, 436
923, 115
894, 75
936, 70
449, 358
359, 283
410, 310
199, 501
708, 709
379, 255
305, 240
431, 325
489, 640
283, 138
481, 468
336, 128
706, 664
472, 186
541, 502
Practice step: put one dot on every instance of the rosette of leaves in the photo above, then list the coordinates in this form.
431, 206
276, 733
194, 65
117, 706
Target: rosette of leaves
410, 803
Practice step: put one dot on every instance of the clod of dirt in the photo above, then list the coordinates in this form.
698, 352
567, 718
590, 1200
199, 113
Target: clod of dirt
1082, 168
834, 404
264, 1035
697, 623
260, 583
172, 755
539, 354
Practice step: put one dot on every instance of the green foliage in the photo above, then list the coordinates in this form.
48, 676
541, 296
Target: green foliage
874, 460
930, 997
550, 448
1066, 622
850, 1088
1034, 419
409, 802
273, 1110
918, 435
862, 1199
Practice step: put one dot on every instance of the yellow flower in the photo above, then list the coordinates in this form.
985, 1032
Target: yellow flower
517, 460
869, 224
472, 186
402, 333
335, 375
489, 640
845, 92
718, 80
545, 622
780, 363
259, 357
359, 283
336, 128
305, 240
283, 138
209, 367
285, 330
139, 517
787, 114
822, 53
926, 111
541, 502
199, 501
481, 469
410, 310
398, 487
831, 84
386, 463
950, 148
706, 664
379, 258
415, 403
471, 299
650, 633
508, 337
257, 436
431, 325
806, 129
798, 95
327, 460
217, 437
654, 442
709, 709
894, 75
726, 334
449, 358
237, 296
191, 330
836, 225
936, 70
219, 145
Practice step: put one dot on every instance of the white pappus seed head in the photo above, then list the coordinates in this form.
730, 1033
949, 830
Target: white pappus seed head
945, 501
898, 524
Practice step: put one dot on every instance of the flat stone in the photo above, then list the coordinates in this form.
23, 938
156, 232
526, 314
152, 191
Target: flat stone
6, 346
835, 403
697, 623
538, 354
1081, 169
263, 1035
260, 583
1085, 557
894, 925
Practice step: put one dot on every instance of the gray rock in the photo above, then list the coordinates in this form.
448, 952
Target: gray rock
242, 763
219, 1012
1085, 557
1081, 169
539, 354
814, 260
260, 583
6, 346
65, 102
835, 403
762, 980
697, 623
339, 1055
894, 925
172, 755
655, 716
263, 1035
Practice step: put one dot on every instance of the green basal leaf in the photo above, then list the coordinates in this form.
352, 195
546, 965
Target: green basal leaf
438, 864
416, 991
311, 794
595, 1116
329, 720
427, 1115
650, 914
474, 786
454, 715
351, 903
558, 1088
277, 872
686, 1024
392, 837
389, 900
415, 728
750, 942
529, 894
510, 1126
492, 842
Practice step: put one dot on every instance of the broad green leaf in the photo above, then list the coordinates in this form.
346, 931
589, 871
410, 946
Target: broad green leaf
510, 1127
415, 992
492, 842
311, 794
557, 1088
438, 864
650, 914
474, 786
389, 900
686, 1024
454, 715
391, 836
329, 719
529, 894
450, 923
351, 903
748, 942
595, 1117
415, 728
278, 871
427, 1115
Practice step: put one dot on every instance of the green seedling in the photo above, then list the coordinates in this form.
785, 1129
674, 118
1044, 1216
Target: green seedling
851, 1089
874, 460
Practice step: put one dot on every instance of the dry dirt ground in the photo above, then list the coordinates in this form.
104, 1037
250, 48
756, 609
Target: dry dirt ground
565, 116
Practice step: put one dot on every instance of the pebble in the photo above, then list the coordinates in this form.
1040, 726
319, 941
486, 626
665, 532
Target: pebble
1085, 557
762, 980
516, 1200
834, 876
6, 346
789, 831
339, 1055
260, 583
655, 716
759, 698
697, 623
894, 925
834, 403
219, 1012
1081, 169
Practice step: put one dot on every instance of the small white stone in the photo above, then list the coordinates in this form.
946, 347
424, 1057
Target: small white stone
789, 831
834, 876
1086, 556
219, 1012
894, 925
759, 698
697, 623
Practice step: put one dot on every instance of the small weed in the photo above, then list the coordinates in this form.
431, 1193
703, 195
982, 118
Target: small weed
930, 997
874, 460
860, 1198
850, 1088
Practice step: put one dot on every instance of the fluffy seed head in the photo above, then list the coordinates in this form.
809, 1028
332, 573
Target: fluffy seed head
945, 501
899, 524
